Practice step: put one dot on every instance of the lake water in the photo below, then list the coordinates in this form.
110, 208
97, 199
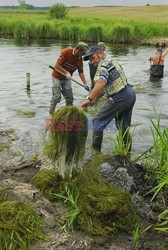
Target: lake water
16, 59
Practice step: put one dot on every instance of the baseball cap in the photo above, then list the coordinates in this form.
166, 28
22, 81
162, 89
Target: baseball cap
91, 51
101, 45
82, 46
159, 50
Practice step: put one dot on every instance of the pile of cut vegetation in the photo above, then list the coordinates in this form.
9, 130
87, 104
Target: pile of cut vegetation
20, 227
95, 206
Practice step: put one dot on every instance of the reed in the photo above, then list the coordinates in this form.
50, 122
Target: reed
125, 25
156, 158
122, 33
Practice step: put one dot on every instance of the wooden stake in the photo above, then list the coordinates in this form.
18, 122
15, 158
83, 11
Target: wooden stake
28, 81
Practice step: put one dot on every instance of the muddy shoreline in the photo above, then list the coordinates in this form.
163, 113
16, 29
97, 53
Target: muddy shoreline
158, 42
18, 183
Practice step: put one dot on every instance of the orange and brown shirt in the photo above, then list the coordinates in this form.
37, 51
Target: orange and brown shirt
70, 62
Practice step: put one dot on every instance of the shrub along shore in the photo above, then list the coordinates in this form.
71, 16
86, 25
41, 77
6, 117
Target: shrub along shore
108, 24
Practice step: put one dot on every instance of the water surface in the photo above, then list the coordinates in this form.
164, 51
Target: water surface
16, 59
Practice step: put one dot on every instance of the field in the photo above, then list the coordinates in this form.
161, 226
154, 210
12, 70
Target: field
144, 13
110, 24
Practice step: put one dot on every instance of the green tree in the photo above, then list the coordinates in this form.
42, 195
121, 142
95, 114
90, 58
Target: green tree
58, 10
22, 4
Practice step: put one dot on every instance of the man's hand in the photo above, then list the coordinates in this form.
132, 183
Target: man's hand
68, 76
85, 103
87, 88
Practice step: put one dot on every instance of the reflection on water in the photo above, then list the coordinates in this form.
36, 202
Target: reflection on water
18, 57
156, 82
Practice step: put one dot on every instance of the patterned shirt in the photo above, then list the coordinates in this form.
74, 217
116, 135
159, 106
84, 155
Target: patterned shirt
111, 72
70, 62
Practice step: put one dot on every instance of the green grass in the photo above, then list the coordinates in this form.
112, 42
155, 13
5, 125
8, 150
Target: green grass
122, 148
108, 24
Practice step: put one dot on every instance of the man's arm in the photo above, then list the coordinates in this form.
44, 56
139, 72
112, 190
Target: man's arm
150, 59
82, 77
59, 66
165, 52
94, 95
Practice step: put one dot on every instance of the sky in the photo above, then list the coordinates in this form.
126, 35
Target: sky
85, 3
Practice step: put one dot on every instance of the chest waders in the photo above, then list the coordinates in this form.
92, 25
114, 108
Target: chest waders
157, 70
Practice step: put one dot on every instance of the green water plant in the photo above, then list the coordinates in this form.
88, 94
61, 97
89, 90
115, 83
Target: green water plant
3, 194
4, 146
20, 227
49, 182
106, 209
66, 144
94, 205
24, 113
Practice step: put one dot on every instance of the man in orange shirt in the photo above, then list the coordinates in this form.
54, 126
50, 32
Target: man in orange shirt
157, 66
69, 61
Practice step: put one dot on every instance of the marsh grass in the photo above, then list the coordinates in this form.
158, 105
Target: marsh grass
95, 206
124, 25
121, 147
155, 159
20, 227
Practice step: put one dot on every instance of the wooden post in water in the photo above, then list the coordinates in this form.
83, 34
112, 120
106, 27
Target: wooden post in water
28, 81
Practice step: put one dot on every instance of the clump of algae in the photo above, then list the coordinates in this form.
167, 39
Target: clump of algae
24, 113
66, 144
104, 208
49, 182
20, 227
3, 194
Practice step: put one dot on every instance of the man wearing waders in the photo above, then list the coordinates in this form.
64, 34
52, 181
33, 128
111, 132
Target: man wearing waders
157, 63
110, 81
93, 68
70, 60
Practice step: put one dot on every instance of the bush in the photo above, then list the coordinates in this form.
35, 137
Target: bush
58, 10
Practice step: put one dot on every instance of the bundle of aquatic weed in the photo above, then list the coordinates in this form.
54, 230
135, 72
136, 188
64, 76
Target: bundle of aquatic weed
3, 194
106, 209
20, 227
49, 182
66, 144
